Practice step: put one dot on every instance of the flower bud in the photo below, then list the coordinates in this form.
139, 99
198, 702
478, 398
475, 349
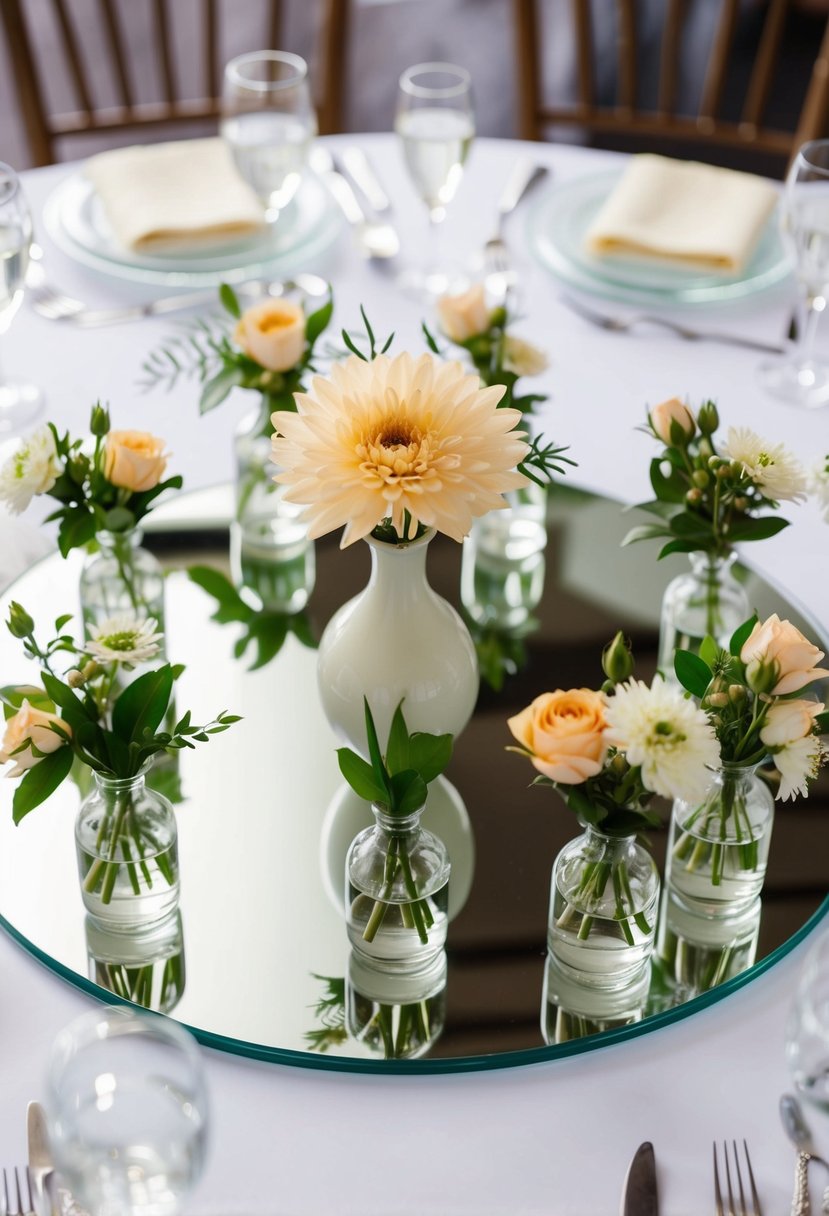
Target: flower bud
498, 317
75, 678
736, 468
761, 676
20, 624
617, 659
693, 497
714, 462
716, 700
740, 503
618, 765
90, 669
707, 418
99, 421
736, 693
704, 448
672, 422
701, 478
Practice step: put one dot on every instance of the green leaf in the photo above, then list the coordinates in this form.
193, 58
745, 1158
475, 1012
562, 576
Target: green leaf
61, 621
269, 633
708, 651
740, 636
645, 532
217, 388
680, 546
142, 705
318, 321
218, 585
668, 489
397, 749
119, 519
229, 300
750, 528
41, 781
360, 776
429, 754
408, 792
686, 526
587, 810
72, 709
692, 672
77, 527
378, 768
13, 696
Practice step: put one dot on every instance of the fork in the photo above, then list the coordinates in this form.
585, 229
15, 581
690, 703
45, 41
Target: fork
732, 1209
621, 325
498, 270
13, 1199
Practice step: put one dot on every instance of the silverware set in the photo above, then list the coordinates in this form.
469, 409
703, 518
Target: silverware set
16, 1197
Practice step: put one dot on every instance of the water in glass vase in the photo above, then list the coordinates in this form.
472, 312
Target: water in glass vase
400, 932
503, 567
436, 143
707, 600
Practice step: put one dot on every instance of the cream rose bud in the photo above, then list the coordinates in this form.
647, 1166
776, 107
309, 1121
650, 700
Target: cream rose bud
672, 410
788, 721
466, 315
564, 733
522, 358
779, 659
134, 460
32, 725
272, 333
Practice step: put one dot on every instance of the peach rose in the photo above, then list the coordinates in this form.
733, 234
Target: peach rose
466, 315
673, 410
273, 333
32, 726
134, 460
788, 721
779, 659
564, 734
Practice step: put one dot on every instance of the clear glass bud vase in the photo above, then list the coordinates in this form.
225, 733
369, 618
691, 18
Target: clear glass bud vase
269, 546
603, 896
397, 891
571, 1010
718, 848
126, 841
503, 566
121, 578
393, 1014
706, 600
145, 966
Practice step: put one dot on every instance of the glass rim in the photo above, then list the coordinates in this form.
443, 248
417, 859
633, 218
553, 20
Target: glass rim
806, 151
11, 185
436, 92
233, 70
119, 1021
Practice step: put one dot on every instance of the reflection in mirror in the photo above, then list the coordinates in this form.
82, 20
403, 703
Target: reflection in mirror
696, 952
571, 1009
265, 628
145, 966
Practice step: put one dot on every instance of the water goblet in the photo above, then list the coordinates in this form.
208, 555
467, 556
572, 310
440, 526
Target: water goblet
807, 1033
268, 122
799, 377
127, 1112
436, 124
19, 403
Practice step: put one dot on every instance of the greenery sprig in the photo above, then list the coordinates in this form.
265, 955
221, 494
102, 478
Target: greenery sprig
373, 349
265, 630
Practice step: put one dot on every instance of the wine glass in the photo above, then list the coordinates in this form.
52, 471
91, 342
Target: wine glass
436, 124
268, 123
799, 377
19, 403
807, 1036
127, 1112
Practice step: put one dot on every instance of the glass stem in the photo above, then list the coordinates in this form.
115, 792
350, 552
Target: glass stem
436, 218
811, 307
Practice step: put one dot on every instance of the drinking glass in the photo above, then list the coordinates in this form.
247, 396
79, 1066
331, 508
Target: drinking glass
127, 1112
268, 123
19, 403
807, 1036
436, 125
799, 377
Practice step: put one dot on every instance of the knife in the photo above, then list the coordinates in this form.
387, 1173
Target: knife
639, 1197
40, 1157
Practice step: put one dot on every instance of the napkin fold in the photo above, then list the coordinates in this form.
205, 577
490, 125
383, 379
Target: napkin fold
684, 212
185, 195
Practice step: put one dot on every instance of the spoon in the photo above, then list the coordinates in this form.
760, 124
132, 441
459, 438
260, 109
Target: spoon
798, 1132
376, 239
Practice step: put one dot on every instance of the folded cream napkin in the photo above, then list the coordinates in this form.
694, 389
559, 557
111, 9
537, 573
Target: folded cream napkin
683, 212
182, 195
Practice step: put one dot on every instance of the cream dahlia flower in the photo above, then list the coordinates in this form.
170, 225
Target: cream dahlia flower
668, 736
798, 763
125, 639
32, 469
772, 468
413, 441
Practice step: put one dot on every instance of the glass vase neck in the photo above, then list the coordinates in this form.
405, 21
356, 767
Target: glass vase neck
121, 785
120, 542
708, 565
602, 837
397, 825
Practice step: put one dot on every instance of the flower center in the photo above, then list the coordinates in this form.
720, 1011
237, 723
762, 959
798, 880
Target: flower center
275, 320
666, 734
120, 641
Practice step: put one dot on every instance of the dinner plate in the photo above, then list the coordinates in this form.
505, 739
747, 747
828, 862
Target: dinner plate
557, 228
76, 221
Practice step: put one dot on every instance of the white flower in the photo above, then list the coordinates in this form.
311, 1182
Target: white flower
797, 763
32, 469
125, 639
788, 721
819, 486
771, 467
668, 736
522, 358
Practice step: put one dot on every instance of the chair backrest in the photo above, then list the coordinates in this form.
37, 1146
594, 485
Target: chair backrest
174, 106
625, 121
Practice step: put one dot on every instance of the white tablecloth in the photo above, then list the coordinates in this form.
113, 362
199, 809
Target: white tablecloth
549, 1138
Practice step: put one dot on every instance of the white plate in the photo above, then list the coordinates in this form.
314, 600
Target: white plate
557, 228
76, 221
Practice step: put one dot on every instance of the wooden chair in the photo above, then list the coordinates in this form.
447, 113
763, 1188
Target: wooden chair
43, 128
625, 124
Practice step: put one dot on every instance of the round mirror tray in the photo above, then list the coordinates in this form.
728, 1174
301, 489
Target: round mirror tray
256, 959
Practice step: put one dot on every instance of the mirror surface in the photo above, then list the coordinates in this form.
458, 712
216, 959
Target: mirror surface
258, 958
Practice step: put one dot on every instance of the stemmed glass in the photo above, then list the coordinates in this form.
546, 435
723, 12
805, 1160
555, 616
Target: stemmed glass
807, 1037
436, 124
19, 403
127, 1112
268, 122
800, 378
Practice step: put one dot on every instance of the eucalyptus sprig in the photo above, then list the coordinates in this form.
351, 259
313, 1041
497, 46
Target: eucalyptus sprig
373, 349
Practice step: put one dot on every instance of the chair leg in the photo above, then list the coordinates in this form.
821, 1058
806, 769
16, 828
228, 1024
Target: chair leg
333, 60
526, 61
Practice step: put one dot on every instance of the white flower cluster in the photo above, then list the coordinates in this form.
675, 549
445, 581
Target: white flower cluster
32, 469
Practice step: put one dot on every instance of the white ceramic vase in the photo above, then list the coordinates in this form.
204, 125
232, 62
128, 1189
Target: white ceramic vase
397, 640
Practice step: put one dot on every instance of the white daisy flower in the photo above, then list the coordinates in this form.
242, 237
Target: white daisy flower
32, 469
819, 486
668, 736
798, 763
772, 467
125, 639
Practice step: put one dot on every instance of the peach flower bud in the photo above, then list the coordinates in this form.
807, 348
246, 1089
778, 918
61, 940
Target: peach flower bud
522, 358
564, 734
664, 416
466, 315
30, 726
134, 460
273, 334
779, 659
788, 721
